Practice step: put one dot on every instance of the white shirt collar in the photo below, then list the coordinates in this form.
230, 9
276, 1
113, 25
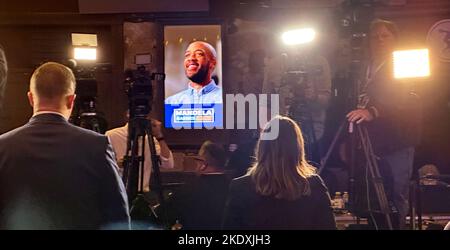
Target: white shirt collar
207, 88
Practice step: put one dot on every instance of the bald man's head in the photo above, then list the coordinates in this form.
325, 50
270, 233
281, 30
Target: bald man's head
208, 48
200, 61
52, 87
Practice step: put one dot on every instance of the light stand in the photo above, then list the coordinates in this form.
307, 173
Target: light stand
297, 77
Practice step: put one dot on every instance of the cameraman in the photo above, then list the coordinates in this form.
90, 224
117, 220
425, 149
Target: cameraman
391, 114
118, 138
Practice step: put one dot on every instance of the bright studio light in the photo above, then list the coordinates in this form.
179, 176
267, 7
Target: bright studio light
411, 63
85, 54
298, 36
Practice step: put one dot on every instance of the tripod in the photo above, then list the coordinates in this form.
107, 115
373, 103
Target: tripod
133, 176
301, 113
372, 171
299, 108
92, 121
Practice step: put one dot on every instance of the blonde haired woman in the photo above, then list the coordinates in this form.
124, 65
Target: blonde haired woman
281, 190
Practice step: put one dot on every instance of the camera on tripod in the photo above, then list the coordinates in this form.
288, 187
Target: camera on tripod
354, 16
140, 90
86, 90
140, 98
85, 112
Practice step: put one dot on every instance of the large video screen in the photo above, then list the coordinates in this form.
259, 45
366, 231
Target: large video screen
193, 68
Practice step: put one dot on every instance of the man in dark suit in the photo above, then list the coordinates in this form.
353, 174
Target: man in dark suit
54, 175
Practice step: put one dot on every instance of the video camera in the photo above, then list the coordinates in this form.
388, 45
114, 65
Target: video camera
140, 91
354, 16
86, 84
85, 113
140, 98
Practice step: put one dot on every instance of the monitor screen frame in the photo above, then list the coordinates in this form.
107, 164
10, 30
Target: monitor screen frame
222, 77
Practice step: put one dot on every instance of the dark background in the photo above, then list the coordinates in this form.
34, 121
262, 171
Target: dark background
36, 31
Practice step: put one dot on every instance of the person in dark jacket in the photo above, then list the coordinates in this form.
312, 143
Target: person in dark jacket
281, 190
54, 175
391, 112
199, 204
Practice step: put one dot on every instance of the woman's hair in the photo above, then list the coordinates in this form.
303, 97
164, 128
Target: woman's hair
281, 169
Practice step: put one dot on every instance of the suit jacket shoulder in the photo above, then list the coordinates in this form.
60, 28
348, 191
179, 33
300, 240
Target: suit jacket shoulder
66, 173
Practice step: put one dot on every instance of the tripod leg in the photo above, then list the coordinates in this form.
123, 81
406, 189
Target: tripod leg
375, 175
381, 193
157, 175
381, 190
412, 205
131, 165
419, 205
324, 162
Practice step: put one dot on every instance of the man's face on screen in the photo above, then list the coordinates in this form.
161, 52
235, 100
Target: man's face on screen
198, 63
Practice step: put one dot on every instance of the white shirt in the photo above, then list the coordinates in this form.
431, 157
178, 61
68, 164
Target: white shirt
118, 138
209, 94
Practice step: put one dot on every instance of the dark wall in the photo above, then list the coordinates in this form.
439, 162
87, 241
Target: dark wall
47, 6
32, 38
28, 43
